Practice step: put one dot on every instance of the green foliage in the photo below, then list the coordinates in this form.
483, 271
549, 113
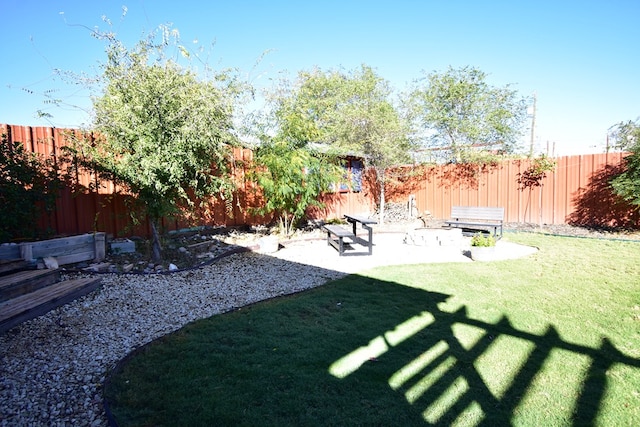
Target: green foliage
459, 111
483, 240
346, 113
626, 135
29, 185
291, 179
536, 172
352, 113
627, 184
166, 130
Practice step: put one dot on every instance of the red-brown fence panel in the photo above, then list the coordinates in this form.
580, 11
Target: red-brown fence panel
576, 191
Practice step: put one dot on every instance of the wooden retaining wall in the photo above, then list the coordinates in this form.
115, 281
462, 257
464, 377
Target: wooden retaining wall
66, 250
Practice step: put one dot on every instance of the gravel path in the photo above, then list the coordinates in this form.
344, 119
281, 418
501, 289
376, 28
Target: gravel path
52, 367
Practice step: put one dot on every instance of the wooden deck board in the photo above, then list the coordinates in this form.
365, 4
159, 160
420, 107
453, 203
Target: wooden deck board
26, 307
23, 282
11, 265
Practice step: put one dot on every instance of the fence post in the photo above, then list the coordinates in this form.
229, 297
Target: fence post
26, 251
99, 246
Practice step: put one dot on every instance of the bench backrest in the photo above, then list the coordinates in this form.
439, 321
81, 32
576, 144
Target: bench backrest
477, 212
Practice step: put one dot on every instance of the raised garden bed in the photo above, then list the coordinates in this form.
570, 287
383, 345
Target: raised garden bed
66, 250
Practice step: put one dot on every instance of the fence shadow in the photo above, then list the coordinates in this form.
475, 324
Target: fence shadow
465, 175
598, 206
439, 364
428, 362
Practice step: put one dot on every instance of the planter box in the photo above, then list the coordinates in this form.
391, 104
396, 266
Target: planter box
483, 253
66, 250
125, 246
10, 251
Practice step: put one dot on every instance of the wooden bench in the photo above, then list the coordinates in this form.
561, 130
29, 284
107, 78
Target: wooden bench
365, 222
477, 216
340, 233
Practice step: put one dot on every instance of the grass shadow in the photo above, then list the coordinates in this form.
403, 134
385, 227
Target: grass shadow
358, 351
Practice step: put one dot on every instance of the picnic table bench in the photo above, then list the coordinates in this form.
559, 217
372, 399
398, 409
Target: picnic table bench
477, 216
336, 233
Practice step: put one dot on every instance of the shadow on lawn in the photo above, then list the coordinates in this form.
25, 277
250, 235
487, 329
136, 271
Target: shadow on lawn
438, 372
385, 349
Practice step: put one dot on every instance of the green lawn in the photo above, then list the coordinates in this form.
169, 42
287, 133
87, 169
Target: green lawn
552, 339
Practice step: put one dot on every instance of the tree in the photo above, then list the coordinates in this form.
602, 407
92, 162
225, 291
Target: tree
291, 179
626, 135
627, 184
346, 113
166, 131
289, 168
461, 113
533, 176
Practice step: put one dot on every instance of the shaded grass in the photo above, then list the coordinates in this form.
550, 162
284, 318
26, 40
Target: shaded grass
553, 339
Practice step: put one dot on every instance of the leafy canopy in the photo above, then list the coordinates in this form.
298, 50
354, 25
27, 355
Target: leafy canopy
349, 112
166, 130
291, 179
461, 113
627, 184
342, 113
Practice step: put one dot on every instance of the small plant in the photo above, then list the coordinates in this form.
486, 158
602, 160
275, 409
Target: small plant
534, 174
483, 240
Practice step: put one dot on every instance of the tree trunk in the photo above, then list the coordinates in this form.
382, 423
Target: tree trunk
540, 207
156, 247
380, 174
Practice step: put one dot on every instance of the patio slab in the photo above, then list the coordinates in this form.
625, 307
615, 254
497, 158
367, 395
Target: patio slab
388, 249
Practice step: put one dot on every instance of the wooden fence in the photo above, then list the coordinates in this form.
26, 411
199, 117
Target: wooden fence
575, 192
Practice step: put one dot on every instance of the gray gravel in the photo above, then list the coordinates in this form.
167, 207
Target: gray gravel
52, 367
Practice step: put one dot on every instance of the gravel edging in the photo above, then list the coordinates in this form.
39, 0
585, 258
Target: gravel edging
52, 368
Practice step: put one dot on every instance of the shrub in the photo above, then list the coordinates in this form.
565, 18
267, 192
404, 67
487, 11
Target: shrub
29, 185
483, 240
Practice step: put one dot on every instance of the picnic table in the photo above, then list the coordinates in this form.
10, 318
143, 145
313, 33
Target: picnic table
340, 233
365, 222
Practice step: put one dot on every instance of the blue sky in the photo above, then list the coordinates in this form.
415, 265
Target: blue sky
581, 58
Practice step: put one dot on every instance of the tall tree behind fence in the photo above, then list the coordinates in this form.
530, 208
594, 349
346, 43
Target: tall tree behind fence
577, 192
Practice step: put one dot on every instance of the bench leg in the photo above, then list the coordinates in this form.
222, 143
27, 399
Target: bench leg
370, 243
331, 242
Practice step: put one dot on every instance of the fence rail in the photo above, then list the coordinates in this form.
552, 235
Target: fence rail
577, 192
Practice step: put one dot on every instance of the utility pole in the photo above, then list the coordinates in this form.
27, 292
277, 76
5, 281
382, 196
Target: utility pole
533, 125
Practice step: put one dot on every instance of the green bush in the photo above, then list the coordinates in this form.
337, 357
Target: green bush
483, 240
28, 188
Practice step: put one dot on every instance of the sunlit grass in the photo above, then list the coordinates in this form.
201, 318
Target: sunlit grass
552, 339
